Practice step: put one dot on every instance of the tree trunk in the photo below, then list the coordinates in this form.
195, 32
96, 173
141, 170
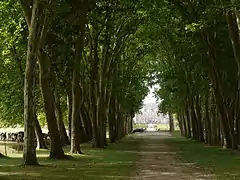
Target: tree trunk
234, 37
215, 121
111, 127
69, 99
29, 151
208, 128
180, 124
86, 123
194, 124
184, 123
56, 151
199, 119
103, 113
38, 131
76, 93
77, 136
218, 90
188, 122
131, 122
237, 117
59, 116
96, 93
171, 123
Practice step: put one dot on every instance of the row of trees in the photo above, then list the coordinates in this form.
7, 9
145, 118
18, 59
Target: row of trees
86, 69
199, 68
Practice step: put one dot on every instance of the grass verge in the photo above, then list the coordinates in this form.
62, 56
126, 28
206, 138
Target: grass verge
117, 161
162, 127
224, 163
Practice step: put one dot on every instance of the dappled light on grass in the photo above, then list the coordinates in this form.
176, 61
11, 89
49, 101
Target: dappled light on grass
224, 163
117, 161
108, 177
185, 164
19, 173
168, 173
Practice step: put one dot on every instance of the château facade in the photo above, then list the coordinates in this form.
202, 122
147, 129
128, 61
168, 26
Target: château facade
149, 115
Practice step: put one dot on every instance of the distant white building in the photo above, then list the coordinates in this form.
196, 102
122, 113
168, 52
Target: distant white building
149, 114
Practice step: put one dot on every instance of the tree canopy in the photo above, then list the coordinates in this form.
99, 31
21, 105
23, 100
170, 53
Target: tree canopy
87, 66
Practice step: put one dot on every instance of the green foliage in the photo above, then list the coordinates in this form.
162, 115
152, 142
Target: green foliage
12, 47
121, 22
182, 68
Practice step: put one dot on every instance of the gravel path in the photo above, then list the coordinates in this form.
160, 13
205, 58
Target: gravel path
158, 161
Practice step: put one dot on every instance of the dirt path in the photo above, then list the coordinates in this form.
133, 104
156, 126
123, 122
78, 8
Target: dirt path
158, 162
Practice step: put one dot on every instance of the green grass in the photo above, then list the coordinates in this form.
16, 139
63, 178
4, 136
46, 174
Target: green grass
139, 126
117, 161
224, 163
162, 127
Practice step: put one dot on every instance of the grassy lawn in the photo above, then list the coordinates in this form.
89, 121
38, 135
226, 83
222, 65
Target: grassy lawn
224, 163
117, 161
162, 127
139, 126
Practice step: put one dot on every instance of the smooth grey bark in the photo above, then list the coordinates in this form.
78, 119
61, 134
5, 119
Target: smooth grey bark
29, 151
59, 116
171, 122
56, 151
39, 135
69, 115
76, 94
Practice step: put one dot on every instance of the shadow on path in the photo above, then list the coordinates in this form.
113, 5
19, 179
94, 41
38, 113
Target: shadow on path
158, 161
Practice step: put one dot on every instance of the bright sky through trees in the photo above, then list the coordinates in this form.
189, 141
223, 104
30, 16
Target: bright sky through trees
150, 98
